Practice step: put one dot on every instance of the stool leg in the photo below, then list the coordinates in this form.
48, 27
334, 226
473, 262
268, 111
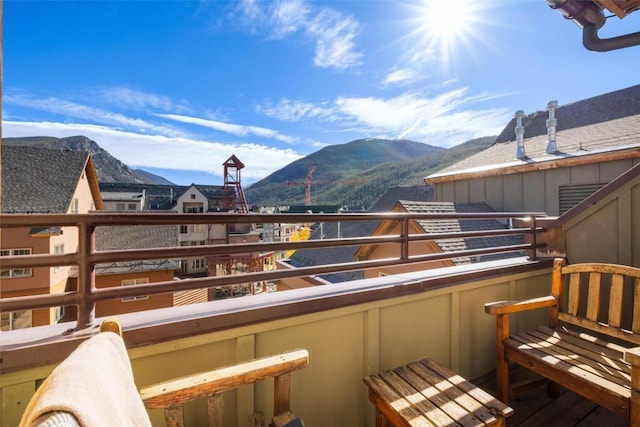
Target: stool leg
381, 420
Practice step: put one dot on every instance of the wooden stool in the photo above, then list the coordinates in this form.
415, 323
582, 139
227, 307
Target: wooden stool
426, 394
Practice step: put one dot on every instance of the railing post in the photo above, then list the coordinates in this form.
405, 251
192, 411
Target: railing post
404, 250
86, 276
534, 240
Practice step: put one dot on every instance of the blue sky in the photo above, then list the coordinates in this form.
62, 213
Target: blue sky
176, 87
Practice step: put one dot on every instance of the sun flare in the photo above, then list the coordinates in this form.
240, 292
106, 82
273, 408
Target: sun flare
447, 26
447, 18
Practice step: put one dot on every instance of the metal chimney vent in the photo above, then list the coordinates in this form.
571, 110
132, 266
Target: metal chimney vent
552, 124
520, 154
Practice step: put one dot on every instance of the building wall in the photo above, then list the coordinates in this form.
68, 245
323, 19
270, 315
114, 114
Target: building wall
83, 194
19, 238
536, 191
108, 308
609, 230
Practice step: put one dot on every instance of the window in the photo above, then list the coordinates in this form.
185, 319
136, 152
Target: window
184, 229
130, 282
59, 314
58, 250
15, 320
132, 206
74, 206
198, 263
197, 228
119, 206
10, 273
193, 197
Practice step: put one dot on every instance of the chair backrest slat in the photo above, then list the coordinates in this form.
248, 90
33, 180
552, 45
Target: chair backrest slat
635, 327
601, 297
593, 296
574, 294
616, 300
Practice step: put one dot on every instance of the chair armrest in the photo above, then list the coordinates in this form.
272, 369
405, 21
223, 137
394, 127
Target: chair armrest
632, 356
181, 390
506, 307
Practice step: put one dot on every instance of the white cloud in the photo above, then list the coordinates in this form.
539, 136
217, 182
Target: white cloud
155, 151
79, 111
287, 17
277, 19
402, 77
332, 32
233, 129
292, 111
126, 97
442, 120
445, 119
335, 34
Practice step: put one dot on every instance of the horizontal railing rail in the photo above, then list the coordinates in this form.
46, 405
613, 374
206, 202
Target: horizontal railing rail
86, 258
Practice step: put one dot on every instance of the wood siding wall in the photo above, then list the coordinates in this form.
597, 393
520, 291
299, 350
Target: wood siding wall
608, 231
536, 191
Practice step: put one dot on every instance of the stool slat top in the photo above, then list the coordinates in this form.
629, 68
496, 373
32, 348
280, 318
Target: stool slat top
425, 393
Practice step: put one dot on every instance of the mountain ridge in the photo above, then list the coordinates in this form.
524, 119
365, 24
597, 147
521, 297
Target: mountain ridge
344, 183
108, 167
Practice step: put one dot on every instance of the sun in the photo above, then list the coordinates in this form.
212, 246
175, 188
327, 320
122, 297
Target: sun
447, 19
446, 26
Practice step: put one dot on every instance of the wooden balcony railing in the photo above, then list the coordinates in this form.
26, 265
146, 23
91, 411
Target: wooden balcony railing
86, 258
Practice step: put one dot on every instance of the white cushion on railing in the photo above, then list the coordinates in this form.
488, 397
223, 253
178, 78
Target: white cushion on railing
94, 384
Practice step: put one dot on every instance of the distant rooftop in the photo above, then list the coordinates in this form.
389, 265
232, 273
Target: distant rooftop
603, 124
157, 196
137, 237
455, 225
38, 180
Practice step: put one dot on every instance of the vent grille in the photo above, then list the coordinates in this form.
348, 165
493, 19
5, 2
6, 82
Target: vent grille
571, 195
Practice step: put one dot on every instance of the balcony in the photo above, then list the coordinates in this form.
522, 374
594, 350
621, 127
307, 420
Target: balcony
350, 329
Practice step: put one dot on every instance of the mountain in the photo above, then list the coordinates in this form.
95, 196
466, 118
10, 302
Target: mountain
151, 178
108, 168
356, 174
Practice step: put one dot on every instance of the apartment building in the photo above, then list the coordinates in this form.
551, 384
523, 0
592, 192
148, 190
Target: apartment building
37, 180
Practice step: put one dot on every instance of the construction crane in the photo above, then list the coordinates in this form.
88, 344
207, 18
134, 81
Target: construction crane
307, 184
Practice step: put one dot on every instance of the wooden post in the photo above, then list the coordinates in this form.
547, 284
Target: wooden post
633, 357
215, 410
281, 393
174, 416
556, 290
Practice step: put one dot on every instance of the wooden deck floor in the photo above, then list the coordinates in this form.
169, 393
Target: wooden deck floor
534, 408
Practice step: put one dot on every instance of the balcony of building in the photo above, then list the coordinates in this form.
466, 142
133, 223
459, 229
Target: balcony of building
350, 329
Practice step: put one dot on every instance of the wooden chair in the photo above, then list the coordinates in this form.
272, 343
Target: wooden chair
589, 346
48, 404
171, 395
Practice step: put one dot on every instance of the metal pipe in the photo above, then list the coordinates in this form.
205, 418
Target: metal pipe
552, 123
520, 154
593, 42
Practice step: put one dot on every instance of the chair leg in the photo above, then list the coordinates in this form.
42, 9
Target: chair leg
502, 364
553, 390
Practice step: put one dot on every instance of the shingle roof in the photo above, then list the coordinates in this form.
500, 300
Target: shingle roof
450, 226
158, 196
38, 180
594, 126
320, 256
137, 237
598, 109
